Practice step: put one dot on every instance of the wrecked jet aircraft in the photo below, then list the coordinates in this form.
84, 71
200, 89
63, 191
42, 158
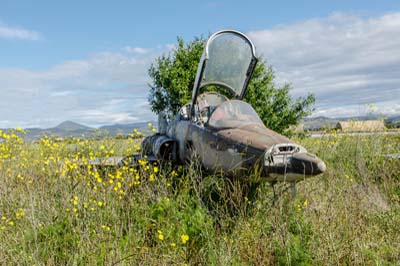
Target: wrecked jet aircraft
222, 131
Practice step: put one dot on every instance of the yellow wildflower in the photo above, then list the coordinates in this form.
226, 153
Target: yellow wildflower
184, 238
118, 175
305, 203
20, 214
75, 200
105, 227
160, 235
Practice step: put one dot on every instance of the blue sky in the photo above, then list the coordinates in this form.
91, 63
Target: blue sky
87, 60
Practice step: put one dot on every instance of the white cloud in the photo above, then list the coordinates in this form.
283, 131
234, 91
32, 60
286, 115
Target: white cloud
346, 60
8, 32
137, 50
60, 93
103, 117
105, 88
171, 46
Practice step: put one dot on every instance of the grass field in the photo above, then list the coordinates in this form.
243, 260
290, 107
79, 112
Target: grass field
53, 211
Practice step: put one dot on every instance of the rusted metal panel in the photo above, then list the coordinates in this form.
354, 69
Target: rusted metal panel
259, 137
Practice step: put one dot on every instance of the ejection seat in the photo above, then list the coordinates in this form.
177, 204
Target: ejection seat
207, 102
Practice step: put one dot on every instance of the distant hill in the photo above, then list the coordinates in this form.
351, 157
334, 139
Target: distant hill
393, 119
71, 126
320, 122
126, 129
73, 129
317, 123
393, 122
65, 129
126, 126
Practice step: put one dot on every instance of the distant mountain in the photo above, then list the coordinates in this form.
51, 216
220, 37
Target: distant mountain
73, 129
63, 130
393, 122
316, 123
71, 126
364, 117
130, 126
126, 129
393, 119
320, 122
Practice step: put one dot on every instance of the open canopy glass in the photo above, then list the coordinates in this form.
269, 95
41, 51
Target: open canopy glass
228, 63
228, 60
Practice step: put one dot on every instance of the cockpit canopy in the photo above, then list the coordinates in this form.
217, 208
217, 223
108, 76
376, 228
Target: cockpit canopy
233, 114
228, 61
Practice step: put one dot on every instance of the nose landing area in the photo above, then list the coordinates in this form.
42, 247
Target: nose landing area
291, 162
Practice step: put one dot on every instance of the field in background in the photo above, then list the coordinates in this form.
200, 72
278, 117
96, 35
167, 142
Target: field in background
55, 211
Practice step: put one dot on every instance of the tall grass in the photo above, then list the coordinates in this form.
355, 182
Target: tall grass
56, 210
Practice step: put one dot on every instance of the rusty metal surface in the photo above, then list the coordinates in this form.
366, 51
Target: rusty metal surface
219, 152
254, 135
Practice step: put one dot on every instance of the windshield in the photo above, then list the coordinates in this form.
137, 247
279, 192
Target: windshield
229, 58
233, 114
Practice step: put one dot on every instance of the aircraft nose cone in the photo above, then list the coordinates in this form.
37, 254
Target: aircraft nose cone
321, 166
307, 163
